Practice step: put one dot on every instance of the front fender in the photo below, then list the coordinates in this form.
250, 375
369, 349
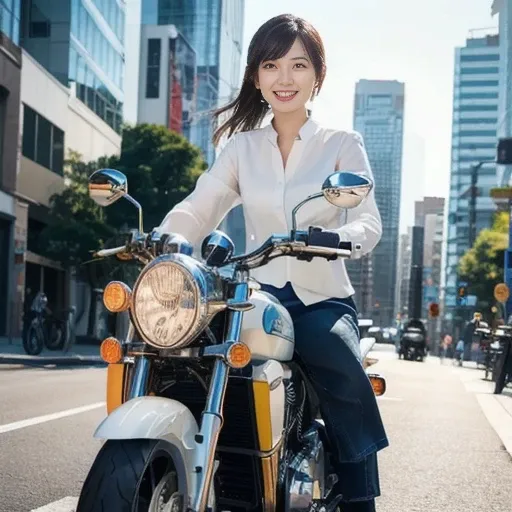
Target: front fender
152, 417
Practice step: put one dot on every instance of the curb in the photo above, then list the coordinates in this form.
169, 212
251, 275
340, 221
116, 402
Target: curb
55, 360
498, 417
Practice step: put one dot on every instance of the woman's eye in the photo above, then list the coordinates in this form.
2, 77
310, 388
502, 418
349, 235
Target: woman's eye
268, 65
300, 65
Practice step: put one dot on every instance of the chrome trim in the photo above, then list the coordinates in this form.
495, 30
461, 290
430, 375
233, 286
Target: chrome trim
140, 377
306, 478
211, 422
206, 439
300, 205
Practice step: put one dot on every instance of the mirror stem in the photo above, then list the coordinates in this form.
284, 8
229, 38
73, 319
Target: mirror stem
296, 209
139, 207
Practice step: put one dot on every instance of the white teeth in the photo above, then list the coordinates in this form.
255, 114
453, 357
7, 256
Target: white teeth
286, 94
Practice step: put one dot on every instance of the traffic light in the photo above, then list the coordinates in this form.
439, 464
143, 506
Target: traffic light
433, 309
504, 151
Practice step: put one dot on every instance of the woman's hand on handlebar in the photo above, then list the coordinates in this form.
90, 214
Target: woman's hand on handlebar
320, 237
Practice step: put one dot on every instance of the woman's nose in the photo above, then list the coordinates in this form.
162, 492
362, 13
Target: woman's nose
285, 77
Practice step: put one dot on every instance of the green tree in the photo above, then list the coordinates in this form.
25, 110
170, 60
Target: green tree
482, 265
161, 166
76, 223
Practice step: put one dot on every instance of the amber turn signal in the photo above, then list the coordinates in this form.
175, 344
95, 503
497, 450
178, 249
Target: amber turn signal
111, 351
378, 384
238, 355
117, 296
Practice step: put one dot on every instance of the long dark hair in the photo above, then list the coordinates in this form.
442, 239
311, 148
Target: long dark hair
272, 41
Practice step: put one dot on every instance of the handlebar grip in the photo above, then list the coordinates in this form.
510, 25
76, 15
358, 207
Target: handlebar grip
319, 238
347, 246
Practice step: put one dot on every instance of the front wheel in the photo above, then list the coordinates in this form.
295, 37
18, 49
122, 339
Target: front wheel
32, 342
135, 475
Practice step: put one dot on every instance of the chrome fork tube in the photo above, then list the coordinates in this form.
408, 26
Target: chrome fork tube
211, 421
140, 377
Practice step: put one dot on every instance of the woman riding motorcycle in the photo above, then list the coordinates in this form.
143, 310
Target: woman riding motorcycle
269, 170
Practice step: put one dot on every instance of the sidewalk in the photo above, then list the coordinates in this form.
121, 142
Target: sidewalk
79, 355
497, 408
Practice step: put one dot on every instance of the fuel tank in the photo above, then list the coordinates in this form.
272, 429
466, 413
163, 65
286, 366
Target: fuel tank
267, 329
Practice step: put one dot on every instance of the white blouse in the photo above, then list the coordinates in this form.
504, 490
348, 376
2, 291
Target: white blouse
249, 170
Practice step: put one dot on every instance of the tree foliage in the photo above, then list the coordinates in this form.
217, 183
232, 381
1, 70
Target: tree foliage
162, 168
76, 223
482, 265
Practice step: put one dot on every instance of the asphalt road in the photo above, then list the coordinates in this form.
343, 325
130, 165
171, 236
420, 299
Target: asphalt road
444, 455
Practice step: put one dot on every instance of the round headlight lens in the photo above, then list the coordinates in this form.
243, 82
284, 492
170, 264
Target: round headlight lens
166, 304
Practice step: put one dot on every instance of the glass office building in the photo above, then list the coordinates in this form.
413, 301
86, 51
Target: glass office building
81, 42
214, 28
475, 119
378, 116
10, 19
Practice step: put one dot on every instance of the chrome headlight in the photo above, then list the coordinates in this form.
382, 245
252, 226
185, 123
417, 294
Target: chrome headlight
170, 301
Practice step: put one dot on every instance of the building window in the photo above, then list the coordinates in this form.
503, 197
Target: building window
42, 142
480, 58
153, 69
39, 25
29, 133
480, 71
478, 108
479, 83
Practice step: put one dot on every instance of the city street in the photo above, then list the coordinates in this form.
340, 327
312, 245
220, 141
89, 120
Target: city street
444, 454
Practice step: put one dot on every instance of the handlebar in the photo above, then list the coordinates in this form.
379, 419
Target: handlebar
277, 246
274, 247
105, 253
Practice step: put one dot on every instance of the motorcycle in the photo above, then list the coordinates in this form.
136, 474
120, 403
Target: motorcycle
46, 329
500, 366
413, 342
207, 408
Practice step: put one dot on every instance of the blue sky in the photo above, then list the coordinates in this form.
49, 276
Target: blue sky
412, 41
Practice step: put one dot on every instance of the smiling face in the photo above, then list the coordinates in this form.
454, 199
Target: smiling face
287, 83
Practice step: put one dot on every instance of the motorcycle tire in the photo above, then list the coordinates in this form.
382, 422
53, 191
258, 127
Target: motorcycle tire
128, 475
502, 367
32, 344
55, 338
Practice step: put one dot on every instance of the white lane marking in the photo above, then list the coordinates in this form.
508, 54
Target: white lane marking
67, 504
8, 427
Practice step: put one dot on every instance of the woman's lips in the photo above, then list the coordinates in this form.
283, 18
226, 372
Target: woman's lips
286, 97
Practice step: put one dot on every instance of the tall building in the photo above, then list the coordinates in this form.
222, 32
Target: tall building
81, 43
10, 76
214, 30
429, 214
403, 275
73, 52
167, 94
378, 116
504, 127
475, 118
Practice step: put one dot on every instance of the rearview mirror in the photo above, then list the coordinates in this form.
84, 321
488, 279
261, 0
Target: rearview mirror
346, 189
106, 186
